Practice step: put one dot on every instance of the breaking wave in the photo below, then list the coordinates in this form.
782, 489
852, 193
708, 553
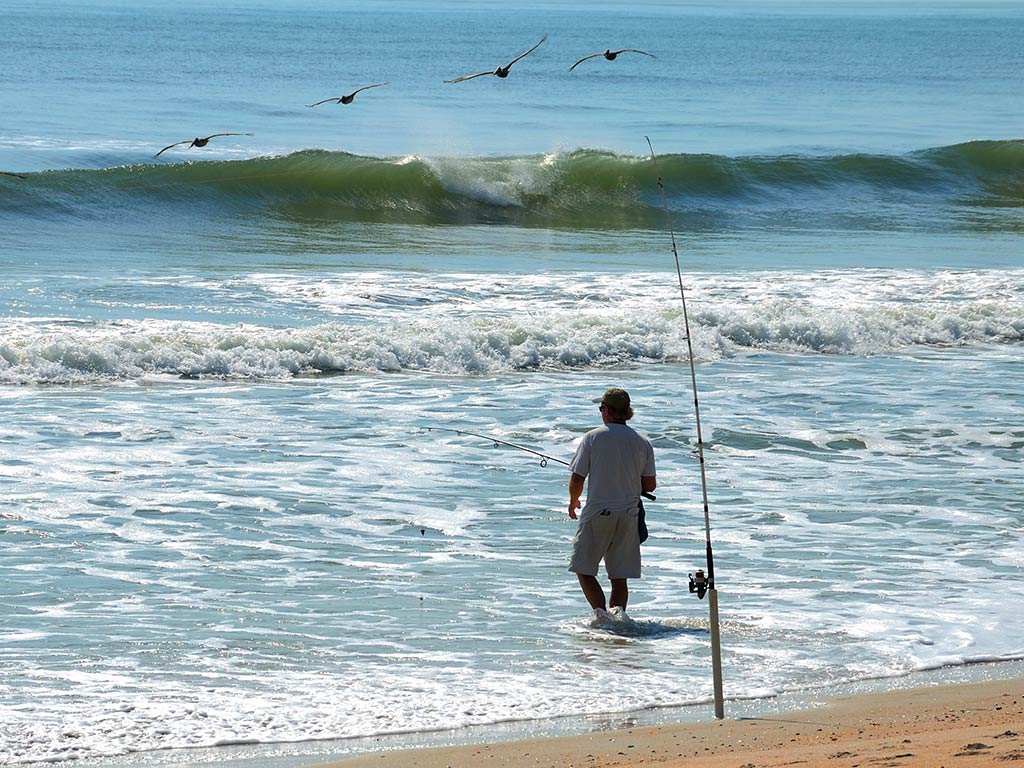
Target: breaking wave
585, 187
649, 330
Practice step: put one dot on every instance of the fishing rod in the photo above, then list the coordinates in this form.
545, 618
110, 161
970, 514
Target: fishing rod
544, 458
699, 582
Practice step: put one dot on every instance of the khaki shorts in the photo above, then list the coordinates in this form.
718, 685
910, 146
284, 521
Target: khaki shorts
610, 535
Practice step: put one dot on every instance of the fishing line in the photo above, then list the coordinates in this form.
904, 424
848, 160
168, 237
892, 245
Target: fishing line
223, 180
544, 458
707, 583
195, 182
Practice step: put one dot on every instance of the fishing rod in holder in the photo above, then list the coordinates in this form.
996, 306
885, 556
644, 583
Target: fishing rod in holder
544, 458
700, 583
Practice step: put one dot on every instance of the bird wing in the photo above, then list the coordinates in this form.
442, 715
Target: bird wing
214, 135
15, 175
584, 59
324, 101
366, 87
527, 53
470, 77
183, 141
634, 50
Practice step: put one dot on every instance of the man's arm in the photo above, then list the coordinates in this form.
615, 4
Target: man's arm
648, 481
576, 483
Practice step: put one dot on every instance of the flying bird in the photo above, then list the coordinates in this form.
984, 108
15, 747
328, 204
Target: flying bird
610, 55
346, 99
15, 175
197, 142
499, 71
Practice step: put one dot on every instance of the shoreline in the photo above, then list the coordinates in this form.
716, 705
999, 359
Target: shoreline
880, 705
967, 724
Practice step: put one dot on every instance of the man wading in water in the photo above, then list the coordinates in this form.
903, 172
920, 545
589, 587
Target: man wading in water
620, 464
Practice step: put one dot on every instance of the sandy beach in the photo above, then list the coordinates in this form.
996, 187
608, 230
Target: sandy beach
962, 726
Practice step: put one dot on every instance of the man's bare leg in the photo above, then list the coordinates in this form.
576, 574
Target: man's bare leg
620, 593
592, 590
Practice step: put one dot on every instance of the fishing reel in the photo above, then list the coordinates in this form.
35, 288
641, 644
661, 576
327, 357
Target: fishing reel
699, 583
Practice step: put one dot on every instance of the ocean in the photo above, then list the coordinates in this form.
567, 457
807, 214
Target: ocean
224, 516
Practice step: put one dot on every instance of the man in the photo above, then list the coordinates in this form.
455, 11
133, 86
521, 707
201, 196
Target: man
619, 462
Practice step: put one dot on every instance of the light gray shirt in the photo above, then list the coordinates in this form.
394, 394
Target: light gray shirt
613, 457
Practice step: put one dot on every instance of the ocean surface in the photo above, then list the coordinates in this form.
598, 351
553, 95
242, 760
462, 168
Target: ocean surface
224, 518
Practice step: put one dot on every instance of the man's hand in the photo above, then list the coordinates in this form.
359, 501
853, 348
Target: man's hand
576, 483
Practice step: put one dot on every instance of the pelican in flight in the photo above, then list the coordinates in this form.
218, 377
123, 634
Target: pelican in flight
197, 142
500, 71
610, 55
15, 175
346, 99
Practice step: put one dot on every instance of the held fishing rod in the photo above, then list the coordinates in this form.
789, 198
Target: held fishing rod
544, 458
699, 583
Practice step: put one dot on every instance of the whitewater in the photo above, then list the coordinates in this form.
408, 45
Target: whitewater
471, 324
